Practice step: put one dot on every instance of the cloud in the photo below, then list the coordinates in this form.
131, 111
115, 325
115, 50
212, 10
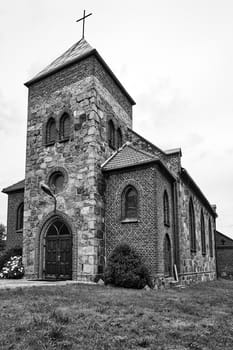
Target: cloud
10, 115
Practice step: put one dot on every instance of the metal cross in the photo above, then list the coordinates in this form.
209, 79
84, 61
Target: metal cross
83, 19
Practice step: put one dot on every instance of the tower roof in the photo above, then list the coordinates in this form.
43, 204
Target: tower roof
76, 51
79, 51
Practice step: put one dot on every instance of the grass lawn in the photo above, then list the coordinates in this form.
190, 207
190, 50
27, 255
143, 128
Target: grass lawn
97, 317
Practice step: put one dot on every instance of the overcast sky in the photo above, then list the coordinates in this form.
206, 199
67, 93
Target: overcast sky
174, 57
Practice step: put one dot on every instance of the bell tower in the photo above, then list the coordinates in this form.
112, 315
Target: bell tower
78, 114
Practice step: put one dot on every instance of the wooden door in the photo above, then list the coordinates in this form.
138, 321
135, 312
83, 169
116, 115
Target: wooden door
58, 252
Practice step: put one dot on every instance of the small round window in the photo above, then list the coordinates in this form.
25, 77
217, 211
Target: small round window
56, 182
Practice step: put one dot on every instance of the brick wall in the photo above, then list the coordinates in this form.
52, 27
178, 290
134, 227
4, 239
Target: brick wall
162, 184
224, 250
148, 233
14, 238
225, 261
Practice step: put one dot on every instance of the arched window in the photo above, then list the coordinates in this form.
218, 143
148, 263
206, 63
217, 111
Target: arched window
111, 134
64, 129
130, 203
166, 209
19, 217
203, 241
57, 181
210, 240
51, 132
192, 229
119, 138
167, 257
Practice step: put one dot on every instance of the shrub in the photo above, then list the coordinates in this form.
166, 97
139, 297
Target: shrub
125, 269
11, 265
13, 268
7, 254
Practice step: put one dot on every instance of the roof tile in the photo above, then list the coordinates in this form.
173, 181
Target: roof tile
82, 47
127, 156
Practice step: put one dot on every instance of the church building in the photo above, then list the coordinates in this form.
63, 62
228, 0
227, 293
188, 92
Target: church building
91, 182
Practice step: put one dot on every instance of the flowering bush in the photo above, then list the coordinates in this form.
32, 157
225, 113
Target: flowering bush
13, 268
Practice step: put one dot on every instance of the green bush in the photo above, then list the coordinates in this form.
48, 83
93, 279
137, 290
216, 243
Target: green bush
7, 254
125, 269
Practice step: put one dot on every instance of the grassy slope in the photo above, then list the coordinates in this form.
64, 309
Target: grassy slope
95, 317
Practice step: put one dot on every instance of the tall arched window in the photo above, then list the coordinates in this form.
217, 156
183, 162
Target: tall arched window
203, 241
19, 217
167, 257
111, 134
210, 239
64, 129
166, 209
192, 229
119, 138
51, 132
130, 203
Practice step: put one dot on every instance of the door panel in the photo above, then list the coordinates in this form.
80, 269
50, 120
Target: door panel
58, 252
51, 256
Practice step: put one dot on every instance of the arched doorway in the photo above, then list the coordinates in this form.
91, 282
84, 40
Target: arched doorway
58, 251
167, 257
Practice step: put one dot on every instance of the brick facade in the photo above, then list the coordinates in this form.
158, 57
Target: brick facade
147, 234
14, 236
224, 258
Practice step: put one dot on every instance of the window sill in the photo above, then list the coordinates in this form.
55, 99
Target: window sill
127, 221
50, 144
19, 230
64, 140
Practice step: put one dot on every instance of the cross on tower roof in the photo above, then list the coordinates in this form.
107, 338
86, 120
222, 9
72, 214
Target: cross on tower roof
83, 19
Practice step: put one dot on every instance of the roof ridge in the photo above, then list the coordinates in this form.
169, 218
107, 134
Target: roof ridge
16, 186
128, 154
142, 151
152, 144
65, 58
114, 154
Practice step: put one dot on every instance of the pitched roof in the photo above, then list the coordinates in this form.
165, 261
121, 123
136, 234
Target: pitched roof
127, 156
15, 187
189, 180
228, 240
80, 50
173, 150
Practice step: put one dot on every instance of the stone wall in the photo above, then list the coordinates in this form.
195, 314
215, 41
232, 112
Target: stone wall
76, 91
14, 237
194, 266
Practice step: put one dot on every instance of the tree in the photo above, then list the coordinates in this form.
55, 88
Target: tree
2, 236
